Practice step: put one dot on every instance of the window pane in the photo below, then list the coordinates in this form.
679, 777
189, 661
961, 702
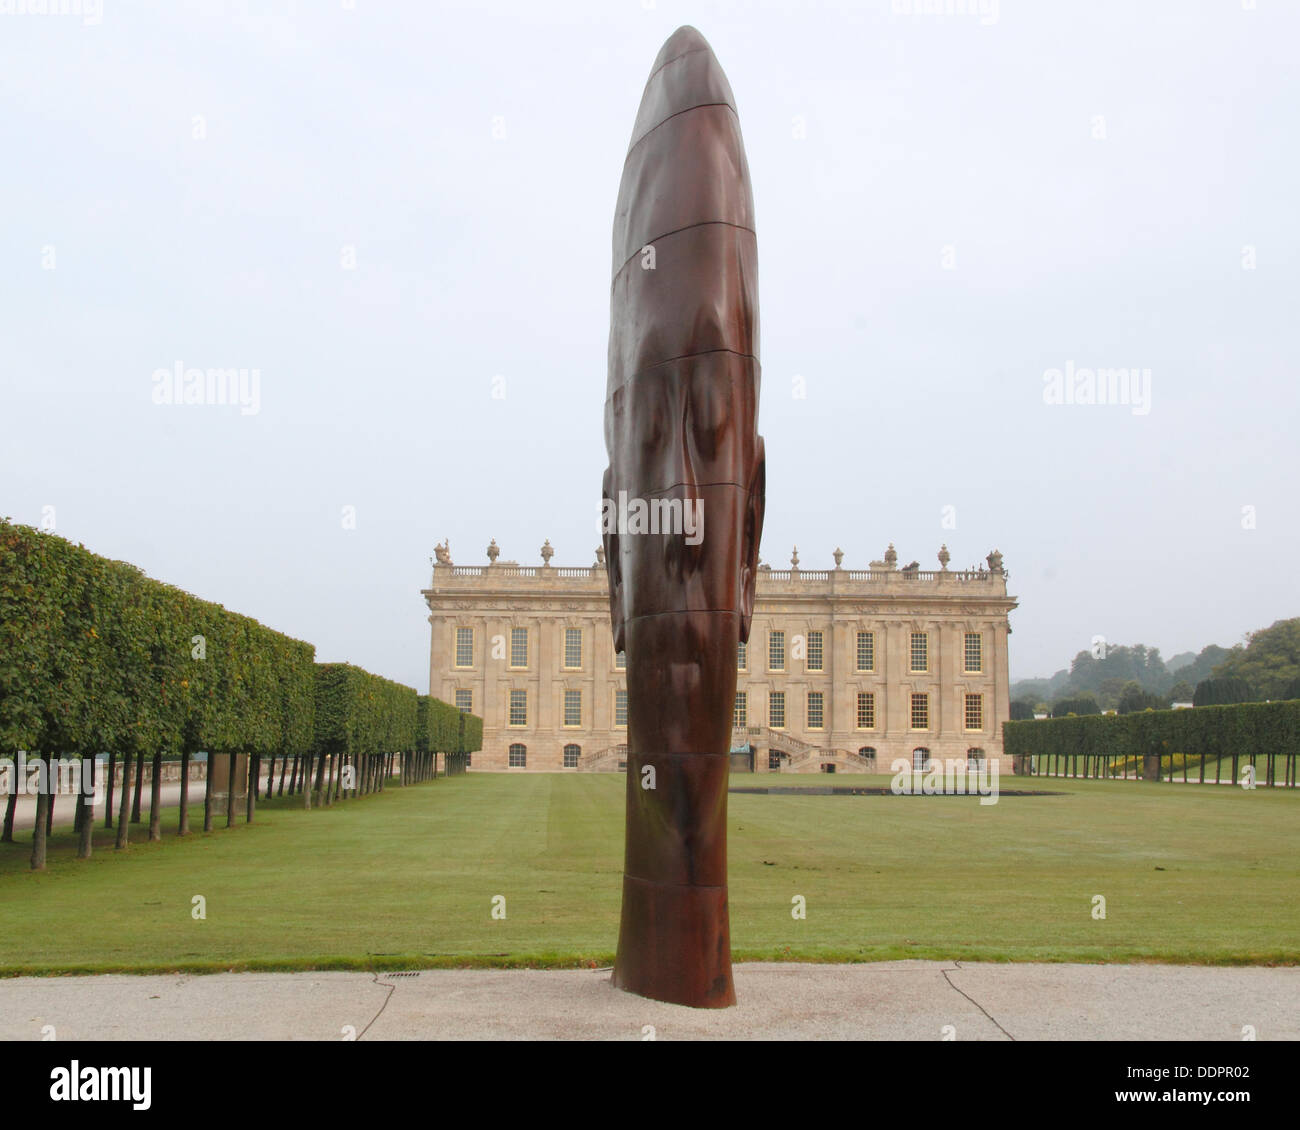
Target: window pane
974, 712
866, 651
742, 656
573, 708
519, 708
920, 651
740, 716
815, 710
866, 711
571, 755
620, 708
464, 647
776, 651
814, 651
518, 757
776, 709
920, 712
464, 701
573, 647
974, 652
518, 647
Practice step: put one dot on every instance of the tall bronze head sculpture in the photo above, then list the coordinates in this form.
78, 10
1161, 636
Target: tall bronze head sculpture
683, 505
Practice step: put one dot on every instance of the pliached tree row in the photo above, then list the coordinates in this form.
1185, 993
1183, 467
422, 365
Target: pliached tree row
96, 657
1263, 734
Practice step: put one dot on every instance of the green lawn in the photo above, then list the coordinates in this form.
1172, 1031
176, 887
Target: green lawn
406, 879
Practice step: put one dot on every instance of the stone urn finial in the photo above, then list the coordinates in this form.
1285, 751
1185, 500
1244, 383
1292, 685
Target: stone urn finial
838, 555
794, 560
493, 552
891, 556
995, 562
600, 557
442, 553
944, 557
547, 554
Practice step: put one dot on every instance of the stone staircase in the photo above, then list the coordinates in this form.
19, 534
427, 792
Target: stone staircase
604, 760
802, 757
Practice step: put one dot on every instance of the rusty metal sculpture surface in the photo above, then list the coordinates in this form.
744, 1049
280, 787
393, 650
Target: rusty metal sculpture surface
683, 499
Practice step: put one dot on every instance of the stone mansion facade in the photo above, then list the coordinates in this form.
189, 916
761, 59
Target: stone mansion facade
845, 670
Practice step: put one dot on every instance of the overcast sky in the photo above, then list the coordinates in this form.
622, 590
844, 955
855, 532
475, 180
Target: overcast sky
392, 210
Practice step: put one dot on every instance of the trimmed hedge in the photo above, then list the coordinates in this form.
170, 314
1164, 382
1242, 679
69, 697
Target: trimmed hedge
442, 728
361, 713
96, 656
1206, 732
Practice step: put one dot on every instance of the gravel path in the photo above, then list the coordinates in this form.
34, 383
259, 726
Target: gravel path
909, 1000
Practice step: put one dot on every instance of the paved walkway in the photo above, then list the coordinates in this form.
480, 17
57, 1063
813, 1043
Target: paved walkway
906, 1000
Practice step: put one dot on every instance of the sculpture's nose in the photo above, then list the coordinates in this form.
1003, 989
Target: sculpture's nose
684, 470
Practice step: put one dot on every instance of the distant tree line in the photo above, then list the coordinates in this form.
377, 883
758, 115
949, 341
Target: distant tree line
1128, 679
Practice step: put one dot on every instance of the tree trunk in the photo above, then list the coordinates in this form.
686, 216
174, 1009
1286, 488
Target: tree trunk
53, 764
155, 800
320, 776
7, 834
270, 778
254, 781
86, 809
139, 788
306, 773
327, 796
230, 792
38, 827
108, 788
183, 824
124, 808
207, 795
284, 764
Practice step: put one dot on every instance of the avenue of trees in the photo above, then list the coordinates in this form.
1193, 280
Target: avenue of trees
96, 657
1266, 735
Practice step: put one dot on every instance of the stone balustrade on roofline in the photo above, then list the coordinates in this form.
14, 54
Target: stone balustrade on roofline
785, 581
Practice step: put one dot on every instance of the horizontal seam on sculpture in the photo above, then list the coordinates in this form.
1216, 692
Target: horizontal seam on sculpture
677, 231
699, 106
679, 886
669, 62
644, 753
681, 612
674, 486
681, 357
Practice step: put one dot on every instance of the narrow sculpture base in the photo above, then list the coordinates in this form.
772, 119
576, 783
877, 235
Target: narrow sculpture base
674, 944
